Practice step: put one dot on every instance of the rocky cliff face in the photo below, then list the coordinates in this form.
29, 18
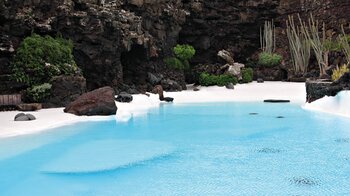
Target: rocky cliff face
332, 13
234, 25
115, 42
119, 42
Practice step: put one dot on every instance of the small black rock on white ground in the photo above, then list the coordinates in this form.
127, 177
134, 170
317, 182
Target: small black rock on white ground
260, 80
24, 117
168, 99
124, 97
230, 86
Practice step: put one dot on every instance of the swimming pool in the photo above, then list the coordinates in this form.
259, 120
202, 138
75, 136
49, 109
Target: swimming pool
197, 149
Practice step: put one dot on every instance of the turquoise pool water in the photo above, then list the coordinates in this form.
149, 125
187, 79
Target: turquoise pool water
198, 149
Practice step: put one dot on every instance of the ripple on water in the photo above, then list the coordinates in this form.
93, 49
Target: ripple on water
342, 140
304, 181
269, 150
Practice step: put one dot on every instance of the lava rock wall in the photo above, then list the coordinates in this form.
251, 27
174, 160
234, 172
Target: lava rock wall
235, 25
119, 42
103, 33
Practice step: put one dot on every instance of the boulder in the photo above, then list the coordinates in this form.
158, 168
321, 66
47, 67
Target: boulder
124, 97
29, 107
97, 102
260, 80
159, 90
230, 86
225, 55
168, 99
24, 117
316, 89
31, 116
153, 79
19, 115
170, 85
235, 70
66, 89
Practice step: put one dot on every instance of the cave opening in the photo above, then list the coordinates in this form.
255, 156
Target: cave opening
134, 65
284, 75
2, 20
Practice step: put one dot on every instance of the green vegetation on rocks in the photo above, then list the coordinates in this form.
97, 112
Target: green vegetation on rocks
206, 79
268, 44
183, 54
174, 63
40, 58
269, 59
38, 93
247, 75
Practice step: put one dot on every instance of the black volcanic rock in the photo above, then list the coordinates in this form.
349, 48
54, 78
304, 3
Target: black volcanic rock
316, 89
66, 89
124, 97
118, 42
115, 42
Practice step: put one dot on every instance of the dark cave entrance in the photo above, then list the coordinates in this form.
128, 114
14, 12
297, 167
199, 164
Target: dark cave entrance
284, 75
134, 65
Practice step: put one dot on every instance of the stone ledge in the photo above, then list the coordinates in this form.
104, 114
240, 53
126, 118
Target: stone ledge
316, 89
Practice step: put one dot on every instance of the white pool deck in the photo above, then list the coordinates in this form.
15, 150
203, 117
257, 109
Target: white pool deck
50, 118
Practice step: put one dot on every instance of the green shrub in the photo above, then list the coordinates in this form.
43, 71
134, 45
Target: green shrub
247, 75
38, 94
39, 58
339, 72
269, 59
206, 79
174, 63
184, 52
332, 45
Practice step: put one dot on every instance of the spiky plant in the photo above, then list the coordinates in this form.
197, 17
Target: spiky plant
344, 42
267, 37
317, 44
299, 45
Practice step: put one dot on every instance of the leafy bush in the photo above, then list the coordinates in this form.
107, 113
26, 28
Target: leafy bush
247, 75
206, 79
38, 93
174, 62
269, 59
39, 58
339, 72
184, 52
